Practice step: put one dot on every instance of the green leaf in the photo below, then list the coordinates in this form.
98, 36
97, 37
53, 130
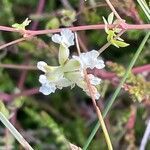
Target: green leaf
111, 35
63, 54
22, 25
120, 43
110, 18
26, 22
71, 65
106, 23
120, 39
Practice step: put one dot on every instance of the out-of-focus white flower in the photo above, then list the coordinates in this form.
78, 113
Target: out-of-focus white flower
90, 60
41, 65
94, 80
66, 38
47, 88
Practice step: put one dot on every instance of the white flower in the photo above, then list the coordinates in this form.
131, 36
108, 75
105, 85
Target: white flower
94, 80
90, 60
47, 88
66, 38
49, 84
41, 65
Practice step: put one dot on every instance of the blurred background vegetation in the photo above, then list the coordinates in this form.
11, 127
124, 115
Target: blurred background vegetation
47, 122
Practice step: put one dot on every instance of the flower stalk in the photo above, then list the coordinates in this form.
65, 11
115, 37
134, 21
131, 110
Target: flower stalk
99, 114
91, 93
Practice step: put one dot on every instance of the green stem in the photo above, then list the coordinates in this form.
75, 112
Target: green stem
136, 55
144, 8
16, 134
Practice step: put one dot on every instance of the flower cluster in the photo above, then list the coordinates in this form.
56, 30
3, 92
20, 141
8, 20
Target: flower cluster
70, 72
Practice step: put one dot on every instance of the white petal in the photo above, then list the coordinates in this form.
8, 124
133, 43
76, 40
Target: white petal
47, 88
94, 80
71, 39
67, 37
43, 79
65, 32
93, 53
97, 96
41, 66
90, 60
100, 64
56, 38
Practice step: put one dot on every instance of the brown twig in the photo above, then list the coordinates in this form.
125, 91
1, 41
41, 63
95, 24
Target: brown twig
18, 67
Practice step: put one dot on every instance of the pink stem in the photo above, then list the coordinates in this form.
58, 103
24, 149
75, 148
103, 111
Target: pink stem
7, 97
109, 75
11, 43
113, 9
145, 68
23, 73
40, 8
77, 28
27, 92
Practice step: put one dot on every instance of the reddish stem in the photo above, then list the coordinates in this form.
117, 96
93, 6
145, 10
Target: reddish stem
19, 67
109, 75
7, 97
11, 43
77, 28
39, 10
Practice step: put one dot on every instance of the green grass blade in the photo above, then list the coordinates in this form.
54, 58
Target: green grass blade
16, 134
136, 55
144, 8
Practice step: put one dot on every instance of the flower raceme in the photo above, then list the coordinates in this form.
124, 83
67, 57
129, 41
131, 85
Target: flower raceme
70, 71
